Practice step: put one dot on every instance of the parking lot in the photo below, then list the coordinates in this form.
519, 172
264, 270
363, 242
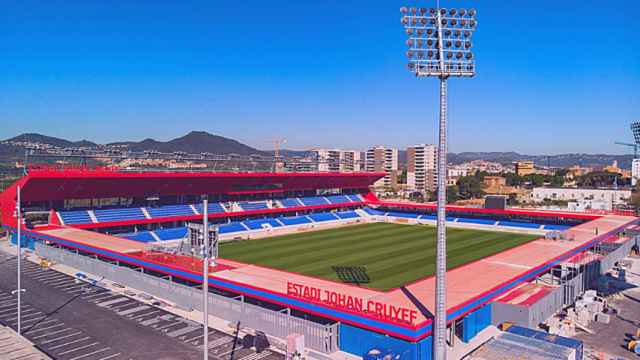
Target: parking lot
75, 320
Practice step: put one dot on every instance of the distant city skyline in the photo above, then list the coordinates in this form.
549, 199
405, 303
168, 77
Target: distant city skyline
329, 75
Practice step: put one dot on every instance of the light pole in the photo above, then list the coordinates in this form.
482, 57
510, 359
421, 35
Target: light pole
205, 275
18, 291
440, 46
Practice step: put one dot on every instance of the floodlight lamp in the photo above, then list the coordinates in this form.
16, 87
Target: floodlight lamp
458, 43
472, 12
447, 44
419, 42
423, 21
449, 55
419, 32
429, 31
467, 45
404, 10
469, 56
457, 33
411, 66
409, 31
423, 11
409, 42
413, 10
447, 32
472, 24
443, 11
430, 54
462, 12
453, 22
467, 33
429, 42
458, 55
404, 20
452, 12
410, 54
463, 22
443, 22
432, 11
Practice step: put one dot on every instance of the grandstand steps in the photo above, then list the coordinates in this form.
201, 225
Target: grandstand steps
146, 213
279, 222
92, 215
154, 235
193, 208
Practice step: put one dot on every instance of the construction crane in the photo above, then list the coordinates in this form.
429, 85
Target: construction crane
634, 146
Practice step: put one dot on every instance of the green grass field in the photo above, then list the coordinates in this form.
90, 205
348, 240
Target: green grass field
392, 254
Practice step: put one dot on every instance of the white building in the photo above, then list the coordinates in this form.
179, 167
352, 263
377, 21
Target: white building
635, 171
337, 160
383, 159
611, 196
421, 167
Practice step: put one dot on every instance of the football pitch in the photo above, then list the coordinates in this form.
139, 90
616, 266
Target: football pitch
379, 255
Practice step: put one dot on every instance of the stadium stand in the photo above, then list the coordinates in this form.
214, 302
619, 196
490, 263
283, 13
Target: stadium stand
170, 210
319, 217
519, 224
119, 214
290, 202
355, 198
347, 214
556, 227
295, 220
258, 224
374, 212
142, 236
171, 234
314, 200
75, 217
231, 227
212, 208
337, 199
477, 221
253, 205
403, 215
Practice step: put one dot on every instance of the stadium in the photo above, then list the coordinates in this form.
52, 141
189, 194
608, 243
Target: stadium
316, 254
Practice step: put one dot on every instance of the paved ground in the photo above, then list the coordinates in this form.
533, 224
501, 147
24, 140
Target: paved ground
75, 320
14, 347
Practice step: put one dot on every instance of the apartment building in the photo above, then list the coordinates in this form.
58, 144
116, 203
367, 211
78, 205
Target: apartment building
337, 160
421, 167
383, 159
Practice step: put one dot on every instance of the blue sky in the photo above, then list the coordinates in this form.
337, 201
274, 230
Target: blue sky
553, 76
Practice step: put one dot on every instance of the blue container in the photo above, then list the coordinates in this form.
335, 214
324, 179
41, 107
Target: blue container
554, 339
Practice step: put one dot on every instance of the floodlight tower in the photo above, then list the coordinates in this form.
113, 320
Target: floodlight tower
440, 46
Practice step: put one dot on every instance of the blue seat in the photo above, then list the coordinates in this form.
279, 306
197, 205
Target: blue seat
142, 236
428, 217
519, 224
253, 205
231, 228
355, 198
338, 199
319, 217
347, 214
75, 217
119, 214
212, 208
477, 221
403, 215
290, 202
170, 210
295, 220
257, 224
556, 227
314, 201
371, 211
172, 234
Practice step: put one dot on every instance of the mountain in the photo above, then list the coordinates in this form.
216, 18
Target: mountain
50, 140
195, 142
559, 160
